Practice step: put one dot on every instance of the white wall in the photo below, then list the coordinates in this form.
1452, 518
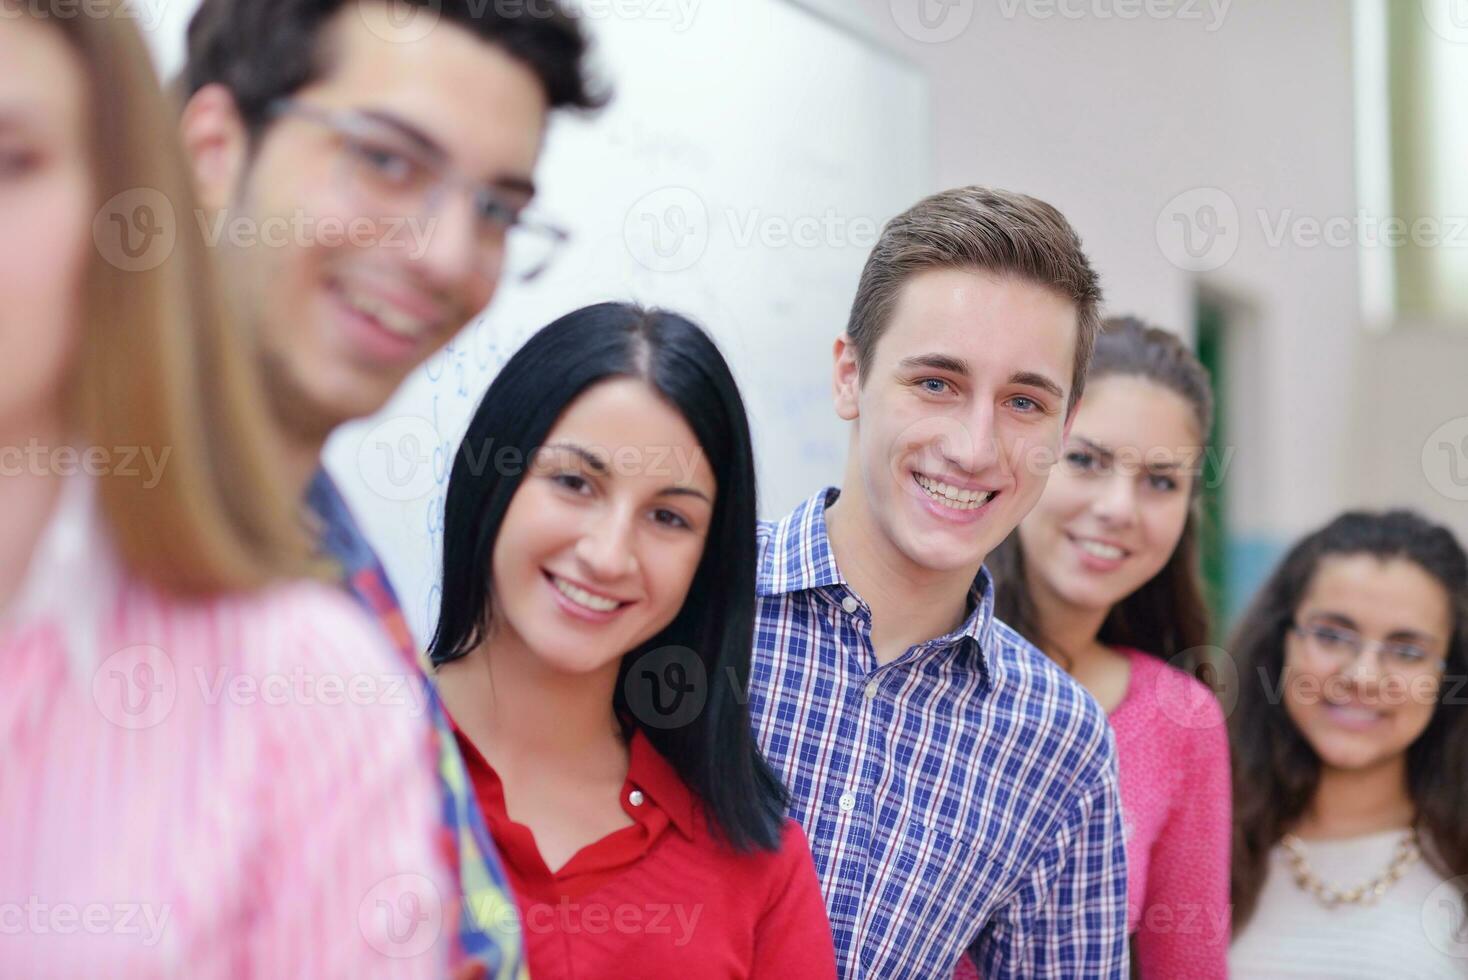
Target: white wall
1110, 117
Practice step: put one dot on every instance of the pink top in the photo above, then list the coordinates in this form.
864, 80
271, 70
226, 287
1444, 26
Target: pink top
231, 787
1176, 800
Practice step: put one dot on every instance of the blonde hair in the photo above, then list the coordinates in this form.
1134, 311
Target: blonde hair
160, 366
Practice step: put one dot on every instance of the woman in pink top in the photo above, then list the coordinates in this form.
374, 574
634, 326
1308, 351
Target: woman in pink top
1102, 575
210, 770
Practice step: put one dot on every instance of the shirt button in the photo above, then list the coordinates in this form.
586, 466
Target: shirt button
848, 802
850, 604
635, 797
870, 691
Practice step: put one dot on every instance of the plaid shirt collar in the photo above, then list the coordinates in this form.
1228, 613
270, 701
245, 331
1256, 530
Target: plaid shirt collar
798, 558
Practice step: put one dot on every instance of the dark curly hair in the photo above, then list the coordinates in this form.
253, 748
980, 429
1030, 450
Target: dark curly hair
1276, 772
264, 50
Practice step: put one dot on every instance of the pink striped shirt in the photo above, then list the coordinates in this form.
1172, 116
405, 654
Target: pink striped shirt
230, 787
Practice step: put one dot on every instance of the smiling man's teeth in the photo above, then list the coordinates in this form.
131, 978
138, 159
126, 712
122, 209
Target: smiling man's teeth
1104, 551
581, 597
953, 496
392, 320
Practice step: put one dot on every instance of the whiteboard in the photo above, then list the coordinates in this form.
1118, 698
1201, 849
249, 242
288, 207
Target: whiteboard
740, 176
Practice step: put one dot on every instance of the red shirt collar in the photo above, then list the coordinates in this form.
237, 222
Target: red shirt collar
647, 771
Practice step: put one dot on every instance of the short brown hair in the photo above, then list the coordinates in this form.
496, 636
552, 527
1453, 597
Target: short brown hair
978, 228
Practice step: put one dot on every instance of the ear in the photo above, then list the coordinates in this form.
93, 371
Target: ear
846, 379
217, 145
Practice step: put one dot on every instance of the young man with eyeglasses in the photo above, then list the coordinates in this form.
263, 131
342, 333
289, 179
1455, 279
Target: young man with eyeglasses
400, 139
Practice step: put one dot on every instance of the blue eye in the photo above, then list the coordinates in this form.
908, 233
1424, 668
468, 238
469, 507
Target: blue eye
1080, 460
1163, 483
1030, 405
928, 383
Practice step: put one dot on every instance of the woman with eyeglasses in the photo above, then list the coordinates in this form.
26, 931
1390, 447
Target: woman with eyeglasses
593, 648
1350, 743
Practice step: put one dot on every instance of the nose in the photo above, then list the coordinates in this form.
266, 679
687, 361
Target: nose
1116, 502
971, 445
605, 549
447, 250
1365, 669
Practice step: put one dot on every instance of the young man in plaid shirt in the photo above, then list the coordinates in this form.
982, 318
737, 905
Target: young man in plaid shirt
959, 790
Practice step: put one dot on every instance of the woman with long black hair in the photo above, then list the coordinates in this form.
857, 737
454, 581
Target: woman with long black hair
1350, 748
593, 648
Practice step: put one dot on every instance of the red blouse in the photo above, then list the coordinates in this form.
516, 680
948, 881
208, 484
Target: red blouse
663, 898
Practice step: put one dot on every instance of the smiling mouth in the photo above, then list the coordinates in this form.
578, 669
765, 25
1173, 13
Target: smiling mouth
1353, 714
1099, 549
953, 497
583, 598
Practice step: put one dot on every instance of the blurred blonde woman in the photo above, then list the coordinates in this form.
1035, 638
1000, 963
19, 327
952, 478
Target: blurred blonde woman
211, 768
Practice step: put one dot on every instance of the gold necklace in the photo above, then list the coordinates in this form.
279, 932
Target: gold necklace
1407, 853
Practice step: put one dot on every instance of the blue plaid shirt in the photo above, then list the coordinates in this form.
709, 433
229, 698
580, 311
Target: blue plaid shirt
963, 796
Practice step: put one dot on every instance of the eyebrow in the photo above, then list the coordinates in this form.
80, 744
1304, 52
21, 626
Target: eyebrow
591, 459
685, 492
518, 183
600, 466
1033, 380
938, 362
1395, 636
1095, 447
